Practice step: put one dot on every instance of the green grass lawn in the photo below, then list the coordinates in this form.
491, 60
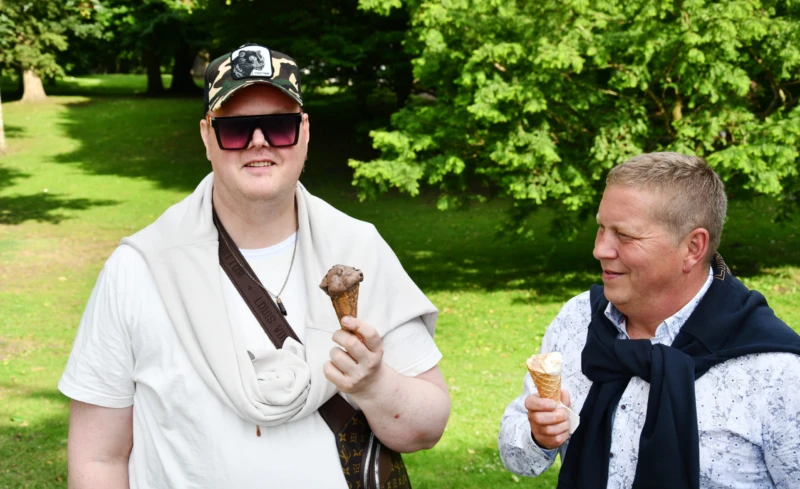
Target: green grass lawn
82, 172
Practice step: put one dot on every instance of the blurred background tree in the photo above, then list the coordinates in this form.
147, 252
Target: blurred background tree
533, 101
338, 44
2, 128
33, 32
5, 32
148, 36
537, 100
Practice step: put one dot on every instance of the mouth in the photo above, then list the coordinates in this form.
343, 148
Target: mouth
259, 164
610, 275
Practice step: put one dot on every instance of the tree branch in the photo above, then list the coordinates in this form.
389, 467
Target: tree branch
662, 111
777, 92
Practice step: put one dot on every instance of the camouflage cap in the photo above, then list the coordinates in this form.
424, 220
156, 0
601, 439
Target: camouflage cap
249, 65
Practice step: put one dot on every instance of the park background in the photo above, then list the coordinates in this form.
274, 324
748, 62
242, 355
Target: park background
475, 134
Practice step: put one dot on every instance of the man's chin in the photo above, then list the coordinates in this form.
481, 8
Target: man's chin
614, 295
266, 193
260, 195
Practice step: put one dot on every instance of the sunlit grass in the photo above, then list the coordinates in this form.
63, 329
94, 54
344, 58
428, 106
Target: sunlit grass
81, 173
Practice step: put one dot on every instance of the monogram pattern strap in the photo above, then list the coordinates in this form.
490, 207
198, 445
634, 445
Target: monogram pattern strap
352, 444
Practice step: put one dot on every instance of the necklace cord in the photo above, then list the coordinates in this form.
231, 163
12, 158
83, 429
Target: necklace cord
218, 223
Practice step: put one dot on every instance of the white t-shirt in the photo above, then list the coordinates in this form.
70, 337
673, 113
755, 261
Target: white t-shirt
128, 353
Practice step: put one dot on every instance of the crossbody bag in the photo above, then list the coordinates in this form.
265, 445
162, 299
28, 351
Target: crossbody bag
366, 462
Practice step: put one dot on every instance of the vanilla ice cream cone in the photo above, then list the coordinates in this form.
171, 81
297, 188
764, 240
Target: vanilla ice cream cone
545, 370
549, 386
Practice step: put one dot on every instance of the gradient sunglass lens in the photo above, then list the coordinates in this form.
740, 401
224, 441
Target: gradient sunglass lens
235, 133
280, 130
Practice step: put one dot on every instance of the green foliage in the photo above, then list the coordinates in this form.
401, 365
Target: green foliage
33, 32
144, 35
537, 100
113, 51
134, 22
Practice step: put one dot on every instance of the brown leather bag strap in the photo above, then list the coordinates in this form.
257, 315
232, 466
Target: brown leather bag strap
336, 411
257, 299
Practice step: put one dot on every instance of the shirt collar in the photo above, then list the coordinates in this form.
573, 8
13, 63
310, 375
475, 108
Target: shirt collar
670, 327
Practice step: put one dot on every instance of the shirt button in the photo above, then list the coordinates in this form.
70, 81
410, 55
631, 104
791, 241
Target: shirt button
611, 455
623, 406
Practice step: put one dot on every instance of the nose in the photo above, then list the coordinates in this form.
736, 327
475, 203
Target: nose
258, 139
604, 246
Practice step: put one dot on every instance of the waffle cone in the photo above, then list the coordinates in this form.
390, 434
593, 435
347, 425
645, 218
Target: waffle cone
347, 303
549, 386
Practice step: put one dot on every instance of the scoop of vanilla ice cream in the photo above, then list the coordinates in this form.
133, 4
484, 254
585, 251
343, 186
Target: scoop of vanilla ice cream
549, 363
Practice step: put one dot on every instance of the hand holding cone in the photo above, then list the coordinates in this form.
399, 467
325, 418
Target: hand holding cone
545, 369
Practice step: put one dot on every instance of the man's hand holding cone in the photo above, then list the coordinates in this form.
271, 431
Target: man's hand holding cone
545, 370
549, 414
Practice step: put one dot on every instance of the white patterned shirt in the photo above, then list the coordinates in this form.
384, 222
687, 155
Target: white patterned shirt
748, 410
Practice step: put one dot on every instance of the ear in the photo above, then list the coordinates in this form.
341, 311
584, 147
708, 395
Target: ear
695, 247
306, 127
204, 130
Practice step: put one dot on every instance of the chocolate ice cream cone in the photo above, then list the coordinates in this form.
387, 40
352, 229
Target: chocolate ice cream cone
346, 304
341, 284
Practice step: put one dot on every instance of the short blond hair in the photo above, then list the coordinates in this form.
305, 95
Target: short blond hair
693, 194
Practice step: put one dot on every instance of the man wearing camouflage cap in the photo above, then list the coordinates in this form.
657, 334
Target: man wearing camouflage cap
173, 380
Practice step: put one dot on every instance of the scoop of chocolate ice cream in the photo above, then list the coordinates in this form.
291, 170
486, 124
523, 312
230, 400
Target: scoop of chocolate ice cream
339, 279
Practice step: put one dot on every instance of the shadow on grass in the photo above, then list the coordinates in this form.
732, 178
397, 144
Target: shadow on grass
154, 139
338, 133
42, 207
158, 139
35, 455
754, 244
549, 279
8, 176
13, 132
461, 250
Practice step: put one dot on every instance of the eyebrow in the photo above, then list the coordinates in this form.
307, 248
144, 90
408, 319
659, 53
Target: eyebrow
624, 230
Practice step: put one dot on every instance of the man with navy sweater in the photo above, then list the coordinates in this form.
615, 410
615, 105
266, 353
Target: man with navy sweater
683, 377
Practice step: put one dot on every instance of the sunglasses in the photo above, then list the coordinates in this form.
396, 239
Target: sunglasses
280, 130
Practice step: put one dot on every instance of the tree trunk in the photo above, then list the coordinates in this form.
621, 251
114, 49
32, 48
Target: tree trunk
2, 129
155, 86
182, 81
34, 90
403, 83
363, 84
20, 83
